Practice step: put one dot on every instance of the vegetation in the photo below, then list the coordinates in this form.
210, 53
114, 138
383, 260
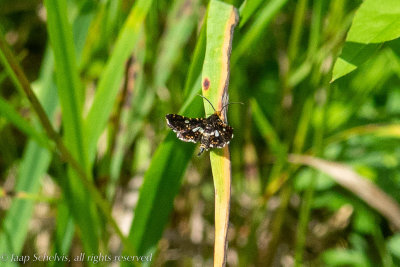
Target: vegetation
88, 164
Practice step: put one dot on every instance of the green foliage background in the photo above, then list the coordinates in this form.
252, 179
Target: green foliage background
317, 78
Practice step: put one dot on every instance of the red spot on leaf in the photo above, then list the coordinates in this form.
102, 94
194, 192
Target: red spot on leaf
206, 84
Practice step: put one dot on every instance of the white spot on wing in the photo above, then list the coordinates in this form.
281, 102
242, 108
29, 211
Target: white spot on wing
216, 133
196, 129
186, 121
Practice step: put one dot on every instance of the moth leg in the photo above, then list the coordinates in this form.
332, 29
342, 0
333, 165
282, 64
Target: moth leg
201, 150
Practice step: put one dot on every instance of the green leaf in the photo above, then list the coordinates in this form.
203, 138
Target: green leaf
375, 22
353, 55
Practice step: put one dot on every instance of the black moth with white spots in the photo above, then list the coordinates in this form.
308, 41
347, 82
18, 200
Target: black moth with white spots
211, 132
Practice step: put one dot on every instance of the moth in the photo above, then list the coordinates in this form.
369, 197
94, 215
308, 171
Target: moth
211, 132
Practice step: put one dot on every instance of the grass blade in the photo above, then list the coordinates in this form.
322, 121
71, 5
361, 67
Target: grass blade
247, 10
135, 104
161, 183
180, 24
110, 80
384, 131
69, 86
266, 15
33, 166
71, 98
221, 21
13, 117
179, 29
267, 130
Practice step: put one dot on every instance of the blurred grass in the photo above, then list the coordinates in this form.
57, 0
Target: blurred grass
71, 97
110, 112
33, 166
109, 82
13, 116
161, 182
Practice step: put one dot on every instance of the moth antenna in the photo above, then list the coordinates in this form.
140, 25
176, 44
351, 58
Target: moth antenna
208, 102
231, 103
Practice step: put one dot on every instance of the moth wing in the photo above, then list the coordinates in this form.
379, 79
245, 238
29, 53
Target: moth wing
189, 136
223, 134
227, 133
186, 129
